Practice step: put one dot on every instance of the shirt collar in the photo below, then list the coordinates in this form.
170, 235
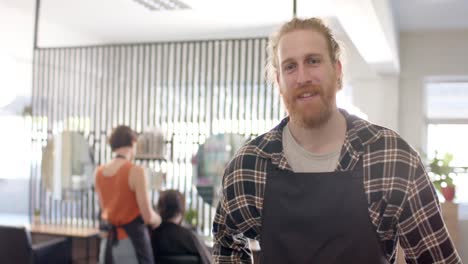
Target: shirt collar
358, 134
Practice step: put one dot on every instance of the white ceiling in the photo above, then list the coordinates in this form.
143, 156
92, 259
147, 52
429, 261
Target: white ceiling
414, 15
116, 21
126, 21
87, 22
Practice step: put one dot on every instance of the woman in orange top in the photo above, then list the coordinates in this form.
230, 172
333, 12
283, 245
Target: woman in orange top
123, 197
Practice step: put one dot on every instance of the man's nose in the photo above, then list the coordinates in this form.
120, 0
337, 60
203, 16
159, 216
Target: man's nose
303, 77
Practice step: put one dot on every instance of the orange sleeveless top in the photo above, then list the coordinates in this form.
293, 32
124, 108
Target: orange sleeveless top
118, 200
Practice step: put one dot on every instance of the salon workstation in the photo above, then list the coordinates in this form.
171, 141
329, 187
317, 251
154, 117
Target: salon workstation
164, 94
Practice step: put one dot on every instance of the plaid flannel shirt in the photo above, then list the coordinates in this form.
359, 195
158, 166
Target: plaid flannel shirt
402, 202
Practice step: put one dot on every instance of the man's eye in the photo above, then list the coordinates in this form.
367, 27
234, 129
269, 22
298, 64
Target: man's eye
289, 67
313, 61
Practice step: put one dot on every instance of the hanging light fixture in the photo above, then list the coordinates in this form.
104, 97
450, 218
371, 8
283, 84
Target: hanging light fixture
294, 8
161, 5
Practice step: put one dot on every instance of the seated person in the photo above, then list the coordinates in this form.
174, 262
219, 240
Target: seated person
172, 239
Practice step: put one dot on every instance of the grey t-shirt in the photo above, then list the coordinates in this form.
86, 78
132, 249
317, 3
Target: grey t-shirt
302, 160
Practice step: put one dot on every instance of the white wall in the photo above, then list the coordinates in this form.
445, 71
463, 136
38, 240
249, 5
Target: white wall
424, 55
16, 43
16, 50
378, 98
374, 94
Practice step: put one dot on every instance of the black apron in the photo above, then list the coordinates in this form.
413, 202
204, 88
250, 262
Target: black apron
139, 236
317, 218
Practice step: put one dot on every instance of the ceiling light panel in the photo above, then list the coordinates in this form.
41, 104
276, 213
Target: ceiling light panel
163, 5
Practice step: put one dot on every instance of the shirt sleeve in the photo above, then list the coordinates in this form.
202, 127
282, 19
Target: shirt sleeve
421, 229
230, 246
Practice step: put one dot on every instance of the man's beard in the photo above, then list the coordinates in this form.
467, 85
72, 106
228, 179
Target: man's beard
317, 114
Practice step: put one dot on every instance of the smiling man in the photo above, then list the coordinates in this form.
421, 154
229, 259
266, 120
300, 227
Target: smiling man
325, 186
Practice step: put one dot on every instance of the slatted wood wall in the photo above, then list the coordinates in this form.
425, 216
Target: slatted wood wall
190, 90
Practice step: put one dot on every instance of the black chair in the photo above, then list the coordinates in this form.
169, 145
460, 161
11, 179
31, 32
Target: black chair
178, 259
16, 247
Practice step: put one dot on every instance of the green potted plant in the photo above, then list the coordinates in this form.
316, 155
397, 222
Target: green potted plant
442, 176
191, 218
37, 216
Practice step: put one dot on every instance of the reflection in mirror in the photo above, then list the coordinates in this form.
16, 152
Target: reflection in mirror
67, 165
150, 152
210, 161
151, 145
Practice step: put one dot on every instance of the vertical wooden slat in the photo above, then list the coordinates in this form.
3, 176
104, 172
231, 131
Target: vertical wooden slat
165, 89
228, 98
139, 89
116, 87
79, 89
87, 94
253, 88
101, 106
125, 85
144, 105
111, 91
243, 84
48, 68
261, 79
160, 99
191, 108
201, 89
151, 87
210, 86
54, 67
185, 137
205, 89
34, 129
172, 68
175, 111
181, 124
69, 87
133, 87
220, 90
109, 99
75, 100
94, 101
236, 80
46, 110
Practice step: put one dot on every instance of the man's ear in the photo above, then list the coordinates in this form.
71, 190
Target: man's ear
338, 69
339, 74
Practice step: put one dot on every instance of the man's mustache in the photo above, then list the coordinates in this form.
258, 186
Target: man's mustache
310, 88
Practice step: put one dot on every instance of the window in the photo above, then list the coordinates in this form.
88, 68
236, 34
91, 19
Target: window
447, 128
449, 138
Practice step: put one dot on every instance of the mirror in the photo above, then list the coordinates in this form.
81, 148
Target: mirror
150, 153
67, 165
210, 161
151, 145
